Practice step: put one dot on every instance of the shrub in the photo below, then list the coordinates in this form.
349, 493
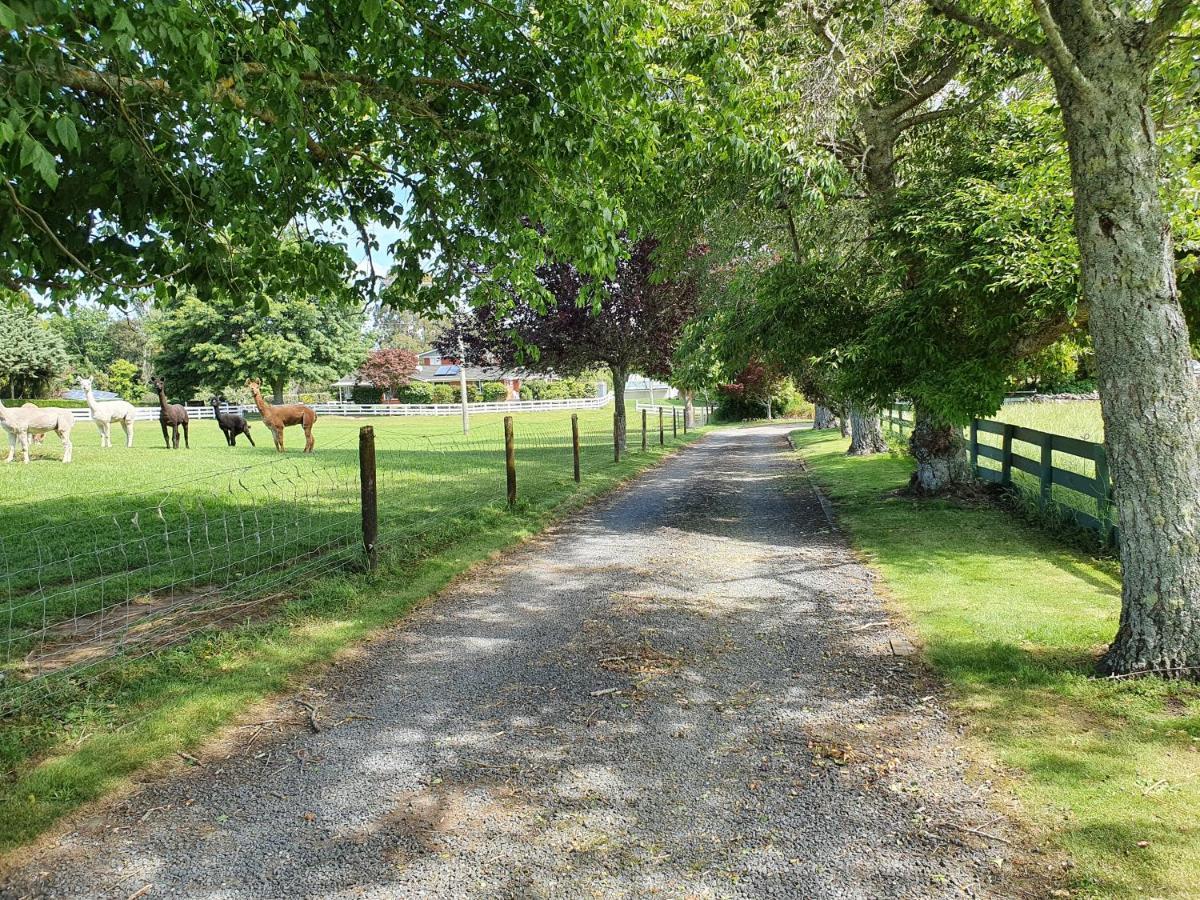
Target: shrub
494, 392
441, 393
63, 404
364, 394
414, 392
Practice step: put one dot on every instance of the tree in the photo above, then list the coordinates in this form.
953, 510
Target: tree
1103, 57
85, 334
154, 142
31, 353
389, 369
631, 322
124, 379
219, 342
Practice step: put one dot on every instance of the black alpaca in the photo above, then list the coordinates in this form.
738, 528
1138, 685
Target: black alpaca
231, 423
171, 414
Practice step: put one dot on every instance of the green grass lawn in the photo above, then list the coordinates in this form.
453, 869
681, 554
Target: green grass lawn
1014, 623
273, 544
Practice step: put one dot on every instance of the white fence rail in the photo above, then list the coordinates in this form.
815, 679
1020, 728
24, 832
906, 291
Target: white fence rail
150, 413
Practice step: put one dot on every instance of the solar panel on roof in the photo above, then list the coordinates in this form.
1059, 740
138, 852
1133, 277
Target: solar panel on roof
446, 370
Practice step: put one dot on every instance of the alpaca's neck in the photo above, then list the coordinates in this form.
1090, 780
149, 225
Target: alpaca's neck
162, 399
263, 409
90, 398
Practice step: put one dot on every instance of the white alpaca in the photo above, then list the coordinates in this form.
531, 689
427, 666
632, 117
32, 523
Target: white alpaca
104, 414
21, 424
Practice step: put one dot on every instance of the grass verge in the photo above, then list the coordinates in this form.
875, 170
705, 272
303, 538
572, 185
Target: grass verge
1013, 622
89, 742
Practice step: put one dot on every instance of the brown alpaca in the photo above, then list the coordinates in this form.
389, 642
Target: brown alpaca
278, 418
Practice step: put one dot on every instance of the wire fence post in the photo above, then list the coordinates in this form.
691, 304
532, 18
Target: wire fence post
575, 444
510, 460
661, 440
643, 431
685, 418
370, 507
674, 423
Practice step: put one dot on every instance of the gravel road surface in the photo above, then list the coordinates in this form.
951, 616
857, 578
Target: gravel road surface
687, 690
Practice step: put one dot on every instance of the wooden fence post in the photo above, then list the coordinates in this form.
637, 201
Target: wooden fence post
1103, 495
370, 507
674, 424
661, 441
1046, 471
643, 431
510, 460
1006, 455
575, 443
974, 445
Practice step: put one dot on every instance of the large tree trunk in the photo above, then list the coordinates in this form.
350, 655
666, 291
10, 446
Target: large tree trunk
620, 374
1148, 400
866, 434
689, 408
941, 455
277, 386
823, 417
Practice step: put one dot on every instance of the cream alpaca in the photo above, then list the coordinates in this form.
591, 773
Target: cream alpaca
21, 424
104, 414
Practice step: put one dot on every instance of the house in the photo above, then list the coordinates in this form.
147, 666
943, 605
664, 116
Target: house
434, 368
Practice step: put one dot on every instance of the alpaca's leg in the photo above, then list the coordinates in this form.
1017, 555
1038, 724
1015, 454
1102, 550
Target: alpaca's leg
25, 446
278, 432
65, 435
186, 445
12, 445
166, 434
127, 424
246, 432
308, 438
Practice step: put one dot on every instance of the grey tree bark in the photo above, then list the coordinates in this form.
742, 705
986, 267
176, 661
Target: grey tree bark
866, 433
823, 417
620, 375
1149, 403
689, 408
1102, 58
277, 386
940, 453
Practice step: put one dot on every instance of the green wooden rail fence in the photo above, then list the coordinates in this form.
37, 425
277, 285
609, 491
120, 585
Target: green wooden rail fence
1097, 487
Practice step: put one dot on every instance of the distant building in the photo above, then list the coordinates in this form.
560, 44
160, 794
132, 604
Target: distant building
641, 387
434, 368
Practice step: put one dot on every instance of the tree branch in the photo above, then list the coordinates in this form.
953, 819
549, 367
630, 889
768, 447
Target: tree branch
1170, 13
1063, 58
922, 91
820, 27
952, 10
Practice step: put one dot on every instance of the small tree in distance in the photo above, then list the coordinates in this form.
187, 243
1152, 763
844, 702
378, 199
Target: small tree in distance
630, 323
389, 369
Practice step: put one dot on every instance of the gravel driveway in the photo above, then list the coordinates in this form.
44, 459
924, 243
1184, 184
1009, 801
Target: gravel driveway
688, 690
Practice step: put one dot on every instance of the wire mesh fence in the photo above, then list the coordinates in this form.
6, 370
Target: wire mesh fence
86, 586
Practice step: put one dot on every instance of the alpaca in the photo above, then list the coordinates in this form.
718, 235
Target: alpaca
104, 414
279, 417
231, 423
21, 424
171, 414
37, 438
